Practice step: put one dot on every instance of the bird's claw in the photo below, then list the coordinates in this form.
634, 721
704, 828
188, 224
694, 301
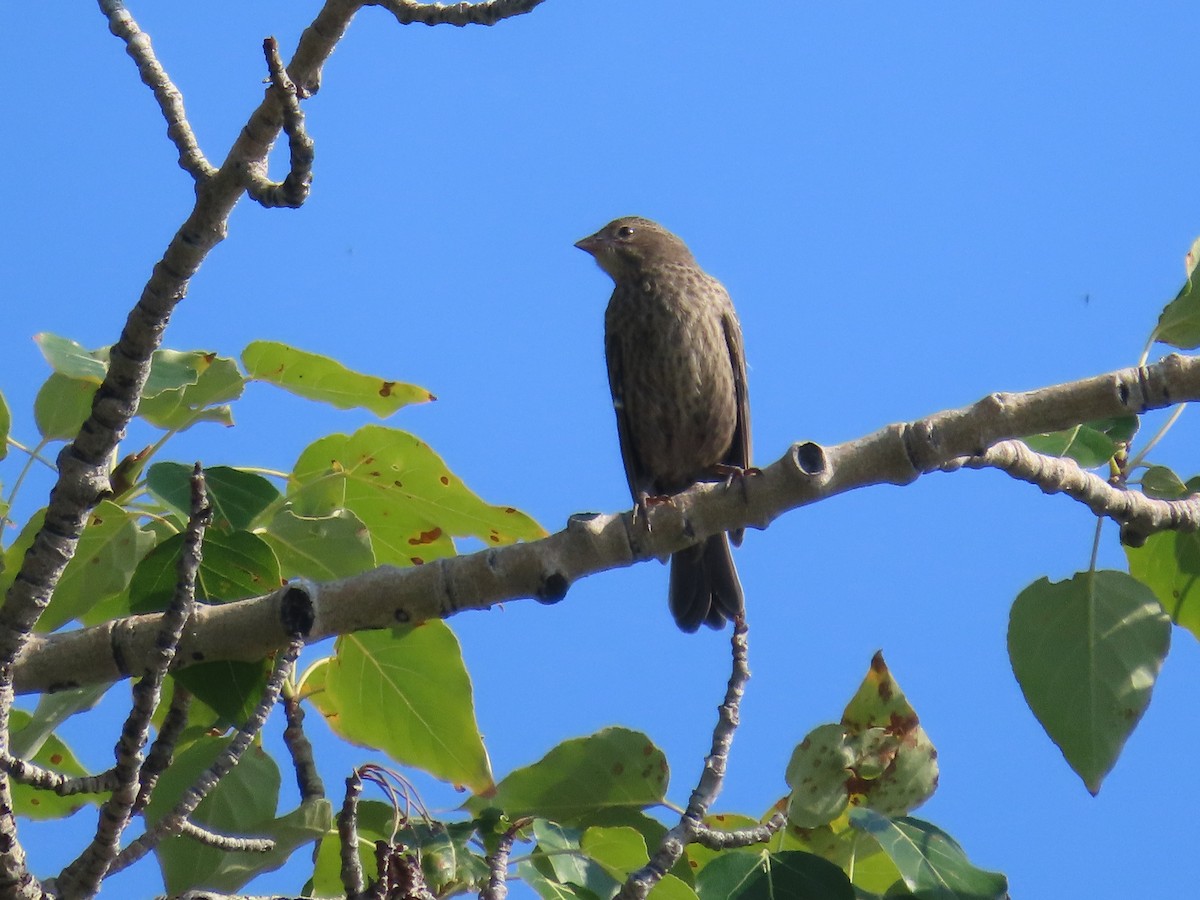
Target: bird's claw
642, 506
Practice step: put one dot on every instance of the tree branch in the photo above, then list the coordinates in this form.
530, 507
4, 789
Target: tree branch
673, 843
154, 76
545, 569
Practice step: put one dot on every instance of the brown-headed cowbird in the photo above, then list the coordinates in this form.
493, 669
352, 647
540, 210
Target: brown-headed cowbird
677, 371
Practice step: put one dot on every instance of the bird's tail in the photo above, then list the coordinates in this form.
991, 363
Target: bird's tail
704, 585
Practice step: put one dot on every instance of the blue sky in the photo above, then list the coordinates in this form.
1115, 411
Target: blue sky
910, 207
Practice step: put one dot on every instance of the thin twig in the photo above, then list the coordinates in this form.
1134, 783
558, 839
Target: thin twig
154, 76
83, 876
172, 822
673, 843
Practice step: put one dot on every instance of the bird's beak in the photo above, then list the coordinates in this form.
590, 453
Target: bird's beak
591, 244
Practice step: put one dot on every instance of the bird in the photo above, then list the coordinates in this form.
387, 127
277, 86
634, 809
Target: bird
677, 374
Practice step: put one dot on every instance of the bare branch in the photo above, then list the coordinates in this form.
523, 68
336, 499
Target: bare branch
673, 843
170, 100
497, 863
308, 779
83, 876
347, 826
226, 842
172, 822
488, 13
715, 839
1139, 516
162, 751
293, 190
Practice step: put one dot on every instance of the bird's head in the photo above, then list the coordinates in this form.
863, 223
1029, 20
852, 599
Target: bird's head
629, 245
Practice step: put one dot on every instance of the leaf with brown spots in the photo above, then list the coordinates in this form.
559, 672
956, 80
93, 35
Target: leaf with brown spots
402, 492
587, 775
326, 380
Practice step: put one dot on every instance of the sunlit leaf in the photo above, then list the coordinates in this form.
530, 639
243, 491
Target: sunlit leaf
1179, 323
1169, 563
62, 405
407, 692
411, 503
321, 548
51, 754
317, 377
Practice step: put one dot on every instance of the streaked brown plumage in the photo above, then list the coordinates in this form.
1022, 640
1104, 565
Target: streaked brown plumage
677, 371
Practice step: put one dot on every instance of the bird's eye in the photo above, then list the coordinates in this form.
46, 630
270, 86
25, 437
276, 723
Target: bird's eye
625, 231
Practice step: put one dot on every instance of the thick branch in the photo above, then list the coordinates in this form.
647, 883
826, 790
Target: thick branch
545, 569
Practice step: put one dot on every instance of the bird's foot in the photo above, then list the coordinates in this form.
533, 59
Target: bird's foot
641, 506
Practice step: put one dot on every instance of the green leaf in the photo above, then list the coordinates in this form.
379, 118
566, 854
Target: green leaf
303, 825
545, 885
769, 876
51, 754
236, 496
407, 692
217, 381
1179, 323
242, 803
323, 379
5, 426
1161, 483
615, 767
819, 774
560, 845
62, 405
849, 849
321, 548
930, 862
1169, 563
71, 359
1090, 444
1086, 653
109, 551
402, 491
52, 710
235, 565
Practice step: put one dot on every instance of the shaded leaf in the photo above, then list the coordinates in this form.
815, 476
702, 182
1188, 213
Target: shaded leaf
108, 553
1086, 653
931, 863
407, 692
1163, 484
1090, 444
792, 874
236, 496
614, 767
243, 803
317, 377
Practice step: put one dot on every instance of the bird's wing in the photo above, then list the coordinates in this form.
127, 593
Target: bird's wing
635, 472
739, 447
